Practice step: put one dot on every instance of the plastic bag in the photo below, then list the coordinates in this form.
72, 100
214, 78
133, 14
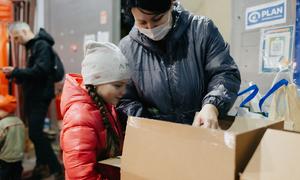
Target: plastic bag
252, 105
286, 105
283, 77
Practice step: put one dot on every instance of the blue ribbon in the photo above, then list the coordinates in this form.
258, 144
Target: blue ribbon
272, 90
253, 88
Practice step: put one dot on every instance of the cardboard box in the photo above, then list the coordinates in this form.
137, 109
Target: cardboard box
158, 150
276, 158
116, 162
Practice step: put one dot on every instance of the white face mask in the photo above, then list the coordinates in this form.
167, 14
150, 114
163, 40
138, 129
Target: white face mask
159, 32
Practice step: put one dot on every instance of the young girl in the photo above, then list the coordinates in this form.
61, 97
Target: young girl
91, 130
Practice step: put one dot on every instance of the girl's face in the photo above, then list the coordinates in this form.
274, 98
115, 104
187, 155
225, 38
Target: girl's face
112, 92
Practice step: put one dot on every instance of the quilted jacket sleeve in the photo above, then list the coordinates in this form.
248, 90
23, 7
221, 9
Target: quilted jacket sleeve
131, 104
223, 75
79, 153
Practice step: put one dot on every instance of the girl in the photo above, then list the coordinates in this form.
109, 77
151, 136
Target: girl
91, 130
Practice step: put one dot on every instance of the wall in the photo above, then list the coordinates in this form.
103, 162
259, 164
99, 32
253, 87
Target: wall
218, 10
71, 22
245, 46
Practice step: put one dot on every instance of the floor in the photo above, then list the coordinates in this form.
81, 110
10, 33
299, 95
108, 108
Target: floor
29, 160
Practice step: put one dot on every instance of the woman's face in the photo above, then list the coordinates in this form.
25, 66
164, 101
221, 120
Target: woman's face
147, 20
112, 92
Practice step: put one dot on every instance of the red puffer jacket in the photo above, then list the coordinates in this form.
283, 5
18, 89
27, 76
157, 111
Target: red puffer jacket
83, 135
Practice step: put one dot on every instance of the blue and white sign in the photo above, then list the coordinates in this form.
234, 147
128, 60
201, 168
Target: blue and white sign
266, 15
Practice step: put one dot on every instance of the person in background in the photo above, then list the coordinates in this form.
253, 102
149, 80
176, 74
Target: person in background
38, 89
91, 130
12, 140
180, 64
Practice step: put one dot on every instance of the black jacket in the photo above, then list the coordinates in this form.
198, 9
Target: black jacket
36, 80
194, 69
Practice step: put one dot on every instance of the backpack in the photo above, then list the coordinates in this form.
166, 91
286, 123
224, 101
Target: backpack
58, 68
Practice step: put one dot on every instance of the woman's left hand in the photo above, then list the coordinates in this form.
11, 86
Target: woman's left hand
207, 117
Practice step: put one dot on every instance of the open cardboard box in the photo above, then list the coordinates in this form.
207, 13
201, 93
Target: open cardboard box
276, 158
159, 150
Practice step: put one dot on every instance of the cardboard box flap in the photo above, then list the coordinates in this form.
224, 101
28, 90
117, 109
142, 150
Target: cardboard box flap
242, 125
156, 149
277, 157
116, 162
248, 135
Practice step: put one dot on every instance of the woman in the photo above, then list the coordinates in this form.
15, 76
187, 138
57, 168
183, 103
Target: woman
91, 130
180, 65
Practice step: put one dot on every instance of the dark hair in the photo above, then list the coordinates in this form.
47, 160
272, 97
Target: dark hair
155, 6
113, 146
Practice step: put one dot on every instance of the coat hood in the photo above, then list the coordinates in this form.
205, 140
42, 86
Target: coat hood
41, 35
74, 92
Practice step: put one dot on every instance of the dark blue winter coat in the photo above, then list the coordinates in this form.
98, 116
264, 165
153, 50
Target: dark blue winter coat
172, 83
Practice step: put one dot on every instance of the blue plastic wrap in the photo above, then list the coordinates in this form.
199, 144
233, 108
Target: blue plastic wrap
297, 46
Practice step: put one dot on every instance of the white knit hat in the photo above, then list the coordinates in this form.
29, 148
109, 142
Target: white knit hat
103, 63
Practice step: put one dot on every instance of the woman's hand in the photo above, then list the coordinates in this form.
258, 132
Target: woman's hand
207, 117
